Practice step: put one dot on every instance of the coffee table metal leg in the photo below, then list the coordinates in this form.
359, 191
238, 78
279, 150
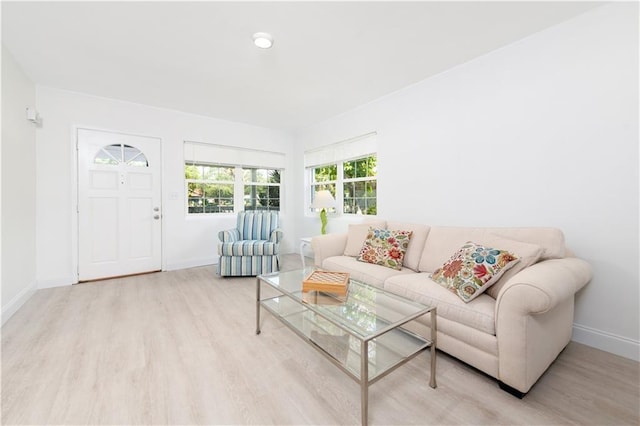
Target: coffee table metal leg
432, 349
364, 382
257, 305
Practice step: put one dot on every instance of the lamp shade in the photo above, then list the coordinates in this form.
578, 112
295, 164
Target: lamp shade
323, 200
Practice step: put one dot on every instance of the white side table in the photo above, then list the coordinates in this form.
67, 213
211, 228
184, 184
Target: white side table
305, 242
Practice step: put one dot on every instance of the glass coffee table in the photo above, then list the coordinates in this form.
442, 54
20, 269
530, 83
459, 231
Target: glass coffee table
360, 332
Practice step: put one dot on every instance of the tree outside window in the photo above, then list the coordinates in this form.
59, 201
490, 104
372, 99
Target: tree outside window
353, 181
209, 188
213, 188
324, 178
261, 189
360, 186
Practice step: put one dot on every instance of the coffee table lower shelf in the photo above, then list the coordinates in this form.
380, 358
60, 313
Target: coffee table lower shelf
364, 359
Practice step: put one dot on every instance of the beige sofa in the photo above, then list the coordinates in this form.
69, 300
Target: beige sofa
515, 329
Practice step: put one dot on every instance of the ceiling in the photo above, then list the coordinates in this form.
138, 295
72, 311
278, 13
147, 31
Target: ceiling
198, 57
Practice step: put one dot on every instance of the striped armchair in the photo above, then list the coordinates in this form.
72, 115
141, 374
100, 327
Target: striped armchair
252, 247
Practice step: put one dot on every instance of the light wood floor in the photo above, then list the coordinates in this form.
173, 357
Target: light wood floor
180, 348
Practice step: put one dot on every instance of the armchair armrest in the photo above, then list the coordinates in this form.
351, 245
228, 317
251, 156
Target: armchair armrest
276, 235
328, 245
229, 235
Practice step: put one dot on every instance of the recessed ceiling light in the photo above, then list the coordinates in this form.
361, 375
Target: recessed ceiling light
263, 40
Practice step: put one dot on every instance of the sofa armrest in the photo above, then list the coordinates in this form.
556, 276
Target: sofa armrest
540, 287
328, 245
229, 235
276, 235
534, 318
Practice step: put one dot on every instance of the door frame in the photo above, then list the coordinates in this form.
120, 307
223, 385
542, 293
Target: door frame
74, 214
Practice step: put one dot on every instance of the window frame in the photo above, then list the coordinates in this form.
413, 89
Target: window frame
106, 156
265, 184
338, 185
203, 181
363, 179
238, 183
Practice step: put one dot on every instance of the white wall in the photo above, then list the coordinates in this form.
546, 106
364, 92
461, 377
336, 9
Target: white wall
18, 188
186, 241
543, 132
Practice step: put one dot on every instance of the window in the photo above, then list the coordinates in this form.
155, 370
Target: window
210, 189
348, 170
116, 154
353, 181
359, 186
261, 189
324, 177
218, 188
228, 179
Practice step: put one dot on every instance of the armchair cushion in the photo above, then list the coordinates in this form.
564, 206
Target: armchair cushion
248, 248
256, 225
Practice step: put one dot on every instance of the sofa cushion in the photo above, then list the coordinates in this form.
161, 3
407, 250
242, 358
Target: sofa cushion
472, 269
356, 235
444, 240
528, 254
385, 247
416, 244
550, 239
365, 272
478, 314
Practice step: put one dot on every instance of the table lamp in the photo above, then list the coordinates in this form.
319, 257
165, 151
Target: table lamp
323, 200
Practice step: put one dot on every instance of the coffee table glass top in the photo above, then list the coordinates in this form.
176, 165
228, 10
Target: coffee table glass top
365, 311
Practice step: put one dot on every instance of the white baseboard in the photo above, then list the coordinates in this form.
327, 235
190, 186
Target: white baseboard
608, 342
192, 263
58, 282
14, 304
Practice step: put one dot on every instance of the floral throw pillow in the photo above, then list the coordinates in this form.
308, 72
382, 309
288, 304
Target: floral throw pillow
385, 247
473, 269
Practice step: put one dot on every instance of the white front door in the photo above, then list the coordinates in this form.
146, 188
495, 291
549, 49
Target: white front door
119, 211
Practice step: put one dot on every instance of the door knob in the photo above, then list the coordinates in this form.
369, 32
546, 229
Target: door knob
156, 216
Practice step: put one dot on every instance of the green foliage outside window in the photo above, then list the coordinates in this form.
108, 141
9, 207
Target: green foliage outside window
363, 167
211, 188
360, 197
262, 189
210, 198
325, 173
358, 181
360, 186
206, 172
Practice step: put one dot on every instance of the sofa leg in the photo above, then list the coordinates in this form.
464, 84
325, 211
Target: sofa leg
512, 391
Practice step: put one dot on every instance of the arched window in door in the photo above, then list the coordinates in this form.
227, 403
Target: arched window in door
121, 154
